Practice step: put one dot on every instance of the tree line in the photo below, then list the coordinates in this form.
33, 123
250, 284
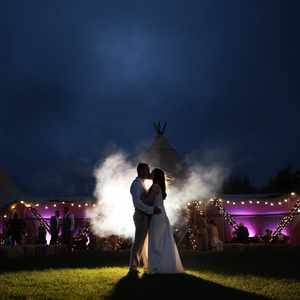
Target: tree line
286, 180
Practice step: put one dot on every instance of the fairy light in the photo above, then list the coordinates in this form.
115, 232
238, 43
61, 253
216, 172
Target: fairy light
72, 204
285, 200
94, 205
272, 204
257, 202
227, 216
227, 202
13, 207
243, 202
46, 207
54, 205
22, 202
279, 203
86, 204
250, 202
5, 216
266, 203
287, 219
37, 205
79, 205
293, 194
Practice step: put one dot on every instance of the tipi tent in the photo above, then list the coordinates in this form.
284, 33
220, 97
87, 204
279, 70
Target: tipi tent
162, 155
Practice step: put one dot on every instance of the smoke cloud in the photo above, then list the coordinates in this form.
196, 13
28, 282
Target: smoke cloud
114, 210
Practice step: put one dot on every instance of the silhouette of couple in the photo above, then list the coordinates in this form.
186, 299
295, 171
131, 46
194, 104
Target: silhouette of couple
154, 245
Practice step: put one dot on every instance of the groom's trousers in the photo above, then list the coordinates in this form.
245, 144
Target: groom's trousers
141, 222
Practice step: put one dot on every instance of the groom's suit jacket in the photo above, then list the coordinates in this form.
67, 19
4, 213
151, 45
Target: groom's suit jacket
136, 190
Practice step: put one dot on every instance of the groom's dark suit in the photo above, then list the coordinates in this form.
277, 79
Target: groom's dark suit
141, 221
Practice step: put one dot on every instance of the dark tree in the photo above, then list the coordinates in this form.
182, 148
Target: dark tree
285, 181
237, 184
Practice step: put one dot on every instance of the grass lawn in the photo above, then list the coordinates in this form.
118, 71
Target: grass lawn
211, 276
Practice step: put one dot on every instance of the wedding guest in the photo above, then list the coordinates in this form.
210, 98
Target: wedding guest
215, 243
17, 227
54, 228
203, 233
268, 235
242, 234
42, 234
68, 226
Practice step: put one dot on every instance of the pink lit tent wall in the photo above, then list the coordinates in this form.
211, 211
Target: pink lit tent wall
257, 212
260, 212
46, 208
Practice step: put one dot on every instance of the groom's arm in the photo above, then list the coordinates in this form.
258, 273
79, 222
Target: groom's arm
136, 191
148, 198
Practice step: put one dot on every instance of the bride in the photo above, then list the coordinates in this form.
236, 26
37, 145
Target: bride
161, 255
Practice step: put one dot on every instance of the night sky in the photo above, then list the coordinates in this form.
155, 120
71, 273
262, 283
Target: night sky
79, 78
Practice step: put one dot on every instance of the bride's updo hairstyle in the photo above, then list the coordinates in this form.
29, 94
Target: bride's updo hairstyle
159, 178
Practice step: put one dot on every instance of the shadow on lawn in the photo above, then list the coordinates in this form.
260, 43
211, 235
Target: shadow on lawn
177, 286
277, 264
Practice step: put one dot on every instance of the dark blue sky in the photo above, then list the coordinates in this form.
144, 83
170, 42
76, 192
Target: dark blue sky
77, 77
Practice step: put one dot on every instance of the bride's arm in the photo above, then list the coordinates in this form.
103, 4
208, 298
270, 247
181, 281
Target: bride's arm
148, 198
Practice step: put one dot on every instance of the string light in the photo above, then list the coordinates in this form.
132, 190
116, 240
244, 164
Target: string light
227, 215
286, 219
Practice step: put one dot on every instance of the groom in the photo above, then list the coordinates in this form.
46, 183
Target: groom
141, 216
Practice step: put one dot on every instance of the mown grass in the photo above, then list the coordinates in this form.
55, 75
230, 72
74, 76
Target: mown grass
258, 275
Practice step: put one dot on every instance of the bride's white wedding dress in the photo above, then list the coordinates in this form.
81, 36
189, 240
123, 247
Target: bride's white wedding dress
162, 254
